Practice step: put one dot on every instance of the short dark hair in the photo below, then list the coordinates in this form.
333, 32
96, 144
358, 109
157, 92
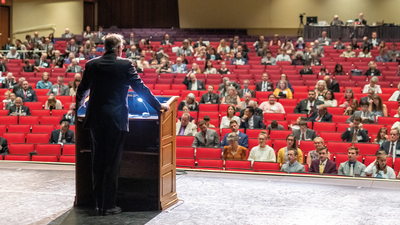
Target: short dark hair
202, 122
295, 152
311, 91
233, 121
251, 109
206, 118
353, 148
357, 118
112, 42
303, 123
65, 124
366, 103
274, 124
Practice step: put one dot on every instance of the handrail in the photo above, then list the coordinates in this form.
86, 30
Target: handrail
43, 27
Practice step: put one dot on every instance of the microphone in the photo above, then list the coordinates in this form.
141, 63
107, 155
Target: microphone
144, 114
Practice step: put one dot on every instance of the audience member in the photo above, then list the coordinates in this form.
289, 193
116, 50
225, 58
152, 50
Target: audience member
377, 107
394, 50
208, 121
13, 54
11, 102
352, 167
142, 64
300, 43
283, 57
60, 88
287, 47
42, 62
347, 98
339, 44
298, 59
230, 116
190, 102
75, 84
292, 165
67, 34
18, 109
314, 60
52, 103
234, 151
239, 60
372, 71
323, 165
296, 126
317, 48
262, 152
223, 70
313, 155
275, 41
88, 33
322, 115
184, 49
264, 85
394, 58
74, 67
382, 136
167, 40
6, 99
223, 47
304, 133
398, 113
208, 68
192, 83
306, 70
382, 57
354, 107
62, 136
244, 104
329, 99
257, 111
374, 39
206, 137
19, 86
354, 45
365, 53
392, 146
8, 45
274, 126
26, 94
355, 133
268, 59
28, 68
163, 67
213, 55
243, 139
324, 40
184, 127
9, 81
308, 106
282, 91
365, 115
320, 90
379, 168
246, 90
3, 147
373, 86
251, 121
349, 53
210, 97
271, 106
338, 70
72, 47
291, 145
231, 97
336, 21
70, 115
179, 67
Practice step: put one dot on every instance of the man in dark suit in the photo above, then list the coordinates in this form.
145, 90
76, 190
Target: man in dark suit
304, 134
250, 121
19, 85
70, 115
308, 106
63, 135
243, 139
222, 86
245, 89
3, 146
257, 111
265, 85
367, 98
8, 45
199, 43
355, 133
392, 147
18, 109
166, 40
323, 165
9, 82
3, 64
243, 53
360, 20
321, 115
107, 116
26, 94
331, 84
192, 83
375, 41
67, 34
42, 62
210, 97
306, 70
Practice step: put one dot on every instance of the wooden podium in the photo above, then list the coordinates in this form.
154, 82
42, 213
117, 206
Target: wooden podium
147, 179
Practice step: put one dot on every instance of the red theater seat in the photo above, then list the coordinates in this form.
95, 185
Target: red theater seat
367, 148
257, 166
185, 152
279, 134
36, 128
21, 149
48, 149
17, 157
14, 137
208, 153
37, 138
185, 163
40, 112
68, 149
324, 126
67, 159
331, 136
34, 105
59, 112
44, 158
29, 120
8, 120
338, 147
19, 128
278, 144
212, 164
237, 165
184, 141
50, 120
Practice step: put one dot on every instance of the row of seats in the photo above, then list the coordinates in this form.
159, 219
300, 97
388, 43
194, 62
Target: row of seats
40, 158
28, 128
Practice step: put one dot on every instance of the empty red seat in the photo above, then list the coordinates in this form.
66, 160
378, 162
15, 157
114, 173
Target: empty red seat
48, 149
37, 138
279, 134
17, 157
3, 128
237, 165
274, 116
29, 120
36, 128
59, 112
278, 144
68, 149
50, 120
387, 120
67, 158
185, 163
45, 158
19, 128
335, 110
21, 149
40, 112
185, 152
208, 107
172, 92
372, 128
210, 164
184, 141
294, 116
263, 166
211, 114
14, 137
253, 133
8, 120
331, 136
34, 105
367, 148
324, 126
339, 118
208, 153
307, 146
338, 147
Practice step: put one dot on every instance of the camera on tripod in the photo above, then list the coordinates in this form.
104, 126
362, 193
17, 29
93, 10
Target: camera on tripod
301, 18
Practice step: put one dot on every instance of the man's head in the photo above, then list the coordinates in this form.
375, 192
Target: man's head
247, 97
185, 44
316, 43
12, 96
318, 142
303, 126
203, 126
178, 61
74, 62
72, 41
322, 109
210, 89
36, 34
100, 28
238, 55
371, 92
113, 43
93, 51
25, 85
193, 78
234, 126
265, 77
292, 155
47, 40
44, 57
246, 84
240, 49
249, 111
327, 80
311, 95
21, 80
356, 122
185, 119
60, 80
64, 127
9, 76
67, 30
166, 37
335, 17
364, 106
323, 34
352, 152
133, 48
18, 102
374, 35
13, 50
394, 134
361, 16
322, 154
271, 99
349, 48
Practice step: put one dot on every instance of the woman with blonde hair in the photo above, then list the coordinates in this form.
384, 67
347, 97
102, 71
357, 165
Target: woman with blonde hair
195, 69
234, 151
283, 91
223, 47
320, 90
379, 168
52, 103
75, 84
352, 108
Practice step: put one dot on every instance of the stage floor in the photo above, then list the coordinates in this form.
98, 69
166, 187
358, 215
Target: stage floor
44, 194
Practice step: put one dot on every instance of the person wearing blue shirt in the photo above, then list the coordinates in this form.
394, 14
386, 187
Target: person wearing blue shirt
44, 83
179, 67
382, 57
243, 139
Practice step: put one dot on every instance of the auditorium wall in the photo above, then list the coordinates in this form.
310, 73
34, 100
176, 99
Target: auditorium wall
36, 13
269, 16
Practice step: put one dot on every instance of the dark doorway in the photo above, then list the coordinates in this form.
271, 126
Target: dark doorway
4, 24
88, 15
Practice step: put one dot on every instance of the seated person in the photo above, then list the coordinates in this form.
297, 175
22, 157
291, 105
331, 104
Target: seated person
44, 83
163, 67
192, 83
18, 109
243, 138
179, 67
190, 102
4, 147
246, 89
304, 134
62, 136
382, 57
321, 115
184, 127
210, 97
365, 53
339, 44
271, 106
208, 122
352, 167
239, 60
392, 146
372, 70
349, 53
347, 99
373, 86
231, 97
330, 100
323, 165
274, 126
60, 88
313, 155
306, 70
320, 90
262, 152
70, 115
42, 62
377, 107
244, 104
308, 106
206, 138
223, 69
234, 151
9, 81
251, 121
282, 91
11, 101
382, 136
338, 70
230, 116
291, 144
264, 85
282, 56
331, 84
355, 133
226, 83
52, 103
298, 59
365, 115
185, 109
379, 168
296, 126
28, 66
292, 165
396, 95
268, 59
13, 54
26, 94
257, 111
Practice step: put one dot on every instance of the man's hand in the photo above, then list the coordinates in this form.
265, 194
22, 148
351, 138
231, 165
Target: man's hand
244, 117
70, 112
351, 124
360, 126
165, 107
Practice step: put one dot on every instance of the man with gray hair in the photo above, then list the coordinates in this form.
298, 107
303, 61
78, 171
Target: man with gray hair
74, 67
232, 83
67, 34
9, 81
257, 111
317, 47
324, 40
244, 104
13, 54
57, 57
336, 21
107, 116
245, 89
184, 49
184, 127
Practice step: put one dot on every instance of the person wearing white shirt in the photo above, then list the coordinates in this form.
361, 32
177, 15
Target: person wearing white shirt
229, 117
330, 100
13, 54
395, 95
379, 168
262, 152
283, 57
373, 84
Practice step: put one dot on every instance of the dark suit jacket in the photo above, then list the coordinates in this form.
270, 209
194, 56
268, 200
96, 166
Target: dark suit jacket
302, 71
24, 109
376, 72
386, 146
69, 136
64, 118
258, 123
6, 84
240, 93
330, 167
243, 140
310, 134
217, 56
4, 145
37, 63
244, 55
182, 104
214, 99
30, 95
301, 107
270, 86
197, 45
19, 87
164, 43
327, 117
114, 74
257, 112
3, 67
334, 86
348, 135
235, 85
188, 83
